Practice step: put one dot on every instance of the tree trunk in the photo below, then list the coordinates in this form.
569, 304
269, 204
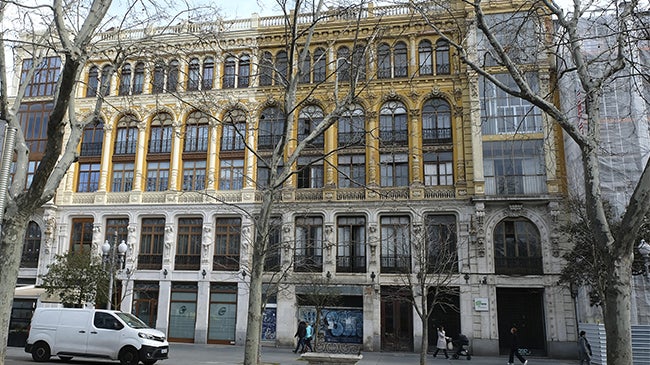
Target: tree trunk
11, 244
425, 339
617, 311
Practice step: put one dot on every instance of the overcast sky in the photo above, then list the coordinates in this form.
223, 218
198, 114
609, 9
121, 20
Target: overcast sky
238, 9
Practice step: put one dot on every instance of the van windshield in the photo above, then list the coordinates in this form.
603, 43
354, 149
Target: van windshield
131, 320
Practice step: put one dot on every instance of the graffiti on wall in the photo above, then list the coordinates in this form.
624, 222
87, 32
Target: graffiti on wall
338, 325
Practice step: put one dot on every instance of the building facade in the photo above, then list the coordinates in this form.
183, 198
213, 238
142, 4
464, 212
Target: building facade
175, 168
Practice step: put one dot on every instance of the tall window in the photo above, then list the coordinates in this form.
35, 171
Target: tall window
271, 126
122, 177
502, 113
126, 138
34, 118
233, 131
227, 240
309, 244
394, 169
436, 122
281, 68
88, 180
441, 241
401, 61
152, 242
320, 65
517, 248
273, 256
194, 175
158, 78
32, 246
352, 171
81, 239
383, 61
116, 229
93, 139
310, 173
196, 133
172, 76
352, 127
343, 64
425, 58
229, 69
305, 68
438, 168
231, 174
351, 244
207, 78
138, 78
93, 82
442, 58
308, 119
161, 134
105, 83
31, 171
395, 244
359, 62
243, 76
393, 123
514, 167
193, 74
157, 176
45, 77
125, 80
266, 69
188, 244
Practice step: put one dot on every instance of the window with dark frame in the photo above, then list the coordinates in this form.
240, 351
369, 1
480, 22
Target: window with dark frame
227, 241
308, 256
351, 244
152, 243
188, 244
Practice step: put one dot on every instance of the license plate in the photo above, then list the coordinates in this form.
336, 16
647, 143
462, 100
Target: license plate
163, 351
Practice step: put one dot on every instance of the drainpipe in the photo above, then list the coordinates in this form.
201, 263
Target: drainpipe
7, 157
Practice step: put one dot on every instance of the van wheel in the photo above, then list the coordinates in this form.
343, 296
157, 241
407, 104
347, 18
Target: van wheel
41, 351
65, 358
129, 356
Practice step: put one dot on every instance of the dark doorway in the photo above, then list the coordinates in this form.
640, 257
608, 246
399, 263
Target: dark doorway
396, 321
21, 315
446, 313
524, 309
145, 302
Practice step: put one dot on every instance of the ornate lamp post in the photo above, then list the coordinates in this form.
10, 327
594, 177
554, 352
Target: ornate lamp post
644, 250
112, 253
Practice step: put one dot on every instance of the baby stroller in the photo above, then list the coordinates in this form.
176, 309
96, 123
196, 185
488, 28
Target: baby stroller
461, 347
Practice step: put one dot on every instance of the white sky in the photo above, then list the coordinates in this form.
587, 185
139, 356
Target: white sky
239, 9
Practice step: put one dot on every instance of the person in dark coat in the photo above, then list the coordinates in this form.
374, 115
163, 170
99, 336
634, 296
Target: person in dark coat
301, 332
584, 349
514, 348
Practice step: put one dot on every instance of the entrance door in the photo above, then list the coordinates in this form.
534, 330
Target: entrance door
146, 310
524, 309
396, 322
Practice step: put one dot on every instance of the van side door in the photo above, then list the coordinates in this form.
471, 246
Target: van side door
72, 332
105, 335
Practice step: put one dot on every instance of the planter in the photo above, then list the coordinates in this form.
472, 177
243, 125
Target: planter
322, 358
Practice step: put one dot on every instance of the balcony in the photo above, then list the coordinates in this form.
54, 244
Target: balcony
150, 262
351, 264
187, 262
518, 265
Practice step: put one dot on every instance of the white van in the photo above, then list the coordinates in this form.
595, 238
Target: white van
115, 335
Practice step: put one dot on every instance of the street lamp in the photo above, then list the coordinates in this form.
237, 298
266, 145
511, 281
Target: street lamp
644, 250
111, 253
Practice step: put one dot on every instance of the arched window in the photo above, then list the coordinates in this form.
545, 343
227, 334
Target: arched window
393, 123
106, 80
138, 78
517, 248
208, 74
93, 81
436, 121
352, 127
281, 68
229, 66
442, 58
125, 80
196, 132
193, 75
126, 138
383, 61
310, 116
305, 69
270, 128
92, 140
401, 62
244, 72
161, 134
320, 62
158, 79
172, 77
32, 246
266, 69
425, 58
359, 62
234, 131
343, 64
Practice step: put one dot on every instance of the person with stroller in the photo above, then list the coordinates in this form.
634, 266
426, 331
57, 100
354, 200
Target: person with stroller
459, 346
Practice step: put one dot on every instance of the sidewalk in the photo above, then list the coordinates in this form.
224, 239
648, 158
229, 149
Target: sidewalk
195, 354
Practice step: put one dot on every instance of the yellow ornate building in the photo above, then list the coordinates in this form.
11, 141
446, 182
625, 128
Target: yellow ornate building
175, 168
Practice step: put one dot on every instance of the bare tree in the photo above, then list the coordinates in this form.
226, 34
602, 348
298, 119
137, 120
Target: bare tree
502, 57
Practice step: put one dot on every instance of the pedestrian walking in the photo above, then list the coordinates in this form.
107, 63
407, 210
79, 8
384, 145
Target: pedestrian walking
584, 349
514, 348
442, 342
301, 332
308, 336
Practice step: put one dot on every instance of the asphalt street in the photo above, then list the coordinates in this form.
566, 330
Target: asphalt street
182, 354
